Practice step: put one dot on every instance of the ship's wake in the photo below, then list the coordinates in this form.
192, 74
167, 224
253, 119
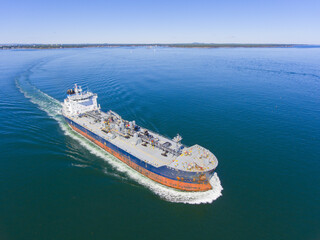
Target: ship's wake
53, 108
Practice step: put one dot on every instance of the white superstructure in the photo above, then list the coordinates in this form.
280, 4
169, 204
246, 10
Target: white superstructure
79, 102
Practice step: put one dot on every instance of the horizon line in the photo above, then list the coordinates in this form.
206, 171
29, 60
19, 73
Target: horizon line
191, 43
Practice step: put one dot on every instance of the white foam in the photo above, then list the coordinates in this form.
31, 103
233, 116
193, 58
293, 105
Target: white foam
53, 108
79, 165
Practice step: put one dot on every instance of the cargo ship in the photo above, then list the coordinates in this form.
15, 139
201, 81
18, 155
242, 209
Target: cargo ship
164, 160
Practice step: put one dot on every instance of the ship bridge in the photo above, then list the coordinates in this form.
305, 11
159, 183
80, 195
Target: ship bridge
79, 101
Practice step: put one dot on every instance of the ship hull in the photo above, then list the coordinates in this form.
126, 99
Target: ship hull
185, 181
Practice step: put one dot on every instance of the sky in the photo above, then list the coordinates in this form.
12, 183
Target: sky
175, 21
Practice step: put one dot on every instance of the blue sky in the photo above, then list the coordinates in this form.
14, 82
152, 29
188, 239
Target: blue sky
140, 21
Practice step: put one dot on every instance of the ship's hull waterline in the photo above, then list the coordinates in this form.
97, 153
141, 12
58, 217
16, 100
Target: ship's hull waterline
184, 181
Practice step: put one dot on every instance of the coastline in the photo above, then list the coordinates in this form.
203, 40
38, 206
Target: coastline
182, 45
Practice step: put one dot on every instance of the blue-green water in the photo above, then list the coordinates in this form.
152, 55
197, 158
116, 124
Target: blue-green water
257, 110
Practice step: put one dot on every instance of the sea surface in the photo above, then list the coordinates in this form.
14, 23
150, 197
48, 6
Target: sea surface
257, 110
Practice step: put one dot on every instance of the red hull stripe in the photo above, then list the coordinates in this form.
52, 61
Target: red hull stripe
194, 187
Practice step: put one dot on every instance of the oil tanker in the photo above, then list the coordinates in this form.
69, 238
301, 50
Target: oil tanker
164, 160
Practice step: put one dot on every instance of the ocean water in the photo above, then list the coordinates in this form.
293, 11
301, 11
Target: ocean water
257, 110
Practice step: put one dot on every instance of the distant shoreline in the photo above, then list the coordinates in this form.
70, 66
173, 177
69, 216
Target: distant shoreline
182, 45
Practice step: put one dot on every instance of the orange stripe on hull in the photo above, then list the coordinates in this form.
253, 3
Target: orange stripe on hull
194, 187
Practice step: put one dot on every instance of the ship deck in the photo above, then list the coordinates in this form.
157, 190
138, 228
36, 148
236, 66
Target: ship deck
150, 154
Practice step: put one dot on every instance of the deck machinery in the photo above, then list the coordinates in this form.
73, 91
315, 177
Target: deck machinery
164, 160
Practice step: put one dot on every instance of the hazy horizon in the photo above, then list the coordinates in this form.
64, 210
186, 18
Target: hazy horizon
160, 43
